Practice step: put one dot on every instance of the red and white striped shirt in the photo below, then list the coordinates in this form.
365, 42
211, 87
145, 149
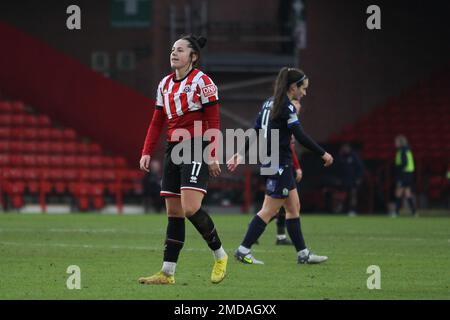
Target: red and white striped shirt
178, 97
182, 102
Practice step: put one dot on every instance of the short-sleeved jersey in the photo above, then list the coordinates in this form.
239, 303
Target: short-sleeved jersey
286, 120
182, 99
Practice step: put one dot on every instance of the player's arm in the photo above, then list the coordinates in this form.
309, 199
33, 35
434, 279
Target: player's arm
212, 116
152, 137
209, 98
304, 139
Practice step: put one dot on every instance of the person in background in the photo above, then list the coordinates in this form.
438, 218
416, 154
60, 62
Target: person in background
351, 174
404, 175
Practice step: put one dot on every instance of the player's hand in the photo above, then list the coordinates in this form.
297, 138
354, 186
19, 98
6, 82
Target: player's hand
234, 161
328, 158
214, 169
298, 175
144, 163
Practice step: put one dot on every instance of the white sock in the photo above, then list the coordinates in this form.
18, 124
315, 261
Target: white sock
169, 268
244, 250
303, 253
219, 253
281, 236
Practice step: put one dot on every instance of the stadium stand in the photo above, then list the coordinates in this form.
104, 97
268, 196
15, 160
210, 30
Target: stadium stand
422, 114
39, 159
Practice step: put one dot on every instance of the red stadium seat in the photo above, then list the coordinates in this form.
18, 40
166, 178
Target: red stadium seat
29, 147
69, 135
81, 193
44, 121
96, 176
18, 120
70, 175
95, 162
4, 146
5, 107
82, 161
82, 148
109, 175
59, 187
44, 134
42, 161
31, 121
56, 175
95, 149
5, 133
43, 148
16, 147
15, 190
57, 148
120, 162
29, 161
70, 148
56, 135
5, 160
107, 162
17, 107
56, 161
97, 190
5, 120
30, 134
69, 161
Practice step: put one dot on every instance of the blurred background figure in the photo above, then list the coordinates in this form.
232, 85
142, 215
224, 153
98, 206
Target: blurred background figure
351, 173
151, 188
404, 175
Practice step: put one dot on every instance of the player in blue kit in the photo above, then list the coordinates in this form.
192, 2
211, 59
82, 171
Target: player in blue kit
280, 113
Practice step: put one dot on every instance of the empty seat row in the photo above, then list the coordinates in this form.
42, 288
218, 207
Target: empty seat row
25, 120
15, 107
67, 175
28, 161
41, 134
45, 148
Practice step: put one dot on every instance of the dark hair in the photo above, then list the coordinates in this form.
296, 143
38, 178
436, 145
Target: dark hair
285, 78
196, 43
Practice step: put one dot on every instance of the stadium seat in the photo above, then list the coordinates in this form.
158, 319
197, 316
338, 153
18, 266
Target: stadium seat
17, 107
70, 148
44, 121
96, 192
95, 149
5, 120
31, 121
69, 135
5, 108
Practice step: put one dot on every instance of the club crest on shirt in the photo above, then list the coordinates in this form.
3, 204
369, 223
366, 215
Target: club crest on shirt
209, 91
187, 89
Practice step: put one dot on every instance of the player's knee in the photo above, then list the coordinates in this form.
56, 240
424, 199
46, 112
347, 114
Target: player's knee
174, 213
190, 208
292, 214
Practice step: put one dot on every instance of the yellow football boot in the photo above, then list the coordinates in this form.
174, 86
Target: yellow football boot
219, 270
158, 278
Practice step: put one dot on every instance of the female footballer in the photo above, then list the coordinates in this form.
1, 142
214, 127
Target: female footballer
185, 96
280, 113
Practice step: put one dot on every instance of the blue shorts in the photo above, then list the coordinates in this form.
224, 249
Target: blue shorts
279, 184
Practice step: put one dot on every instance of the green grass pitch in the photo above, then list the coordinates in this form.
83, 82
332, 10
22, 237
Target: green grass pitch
114, 251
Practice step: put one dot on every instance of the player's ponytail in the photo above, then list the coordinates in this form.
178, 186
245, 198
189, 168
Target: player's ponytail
285, 78
196, 43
